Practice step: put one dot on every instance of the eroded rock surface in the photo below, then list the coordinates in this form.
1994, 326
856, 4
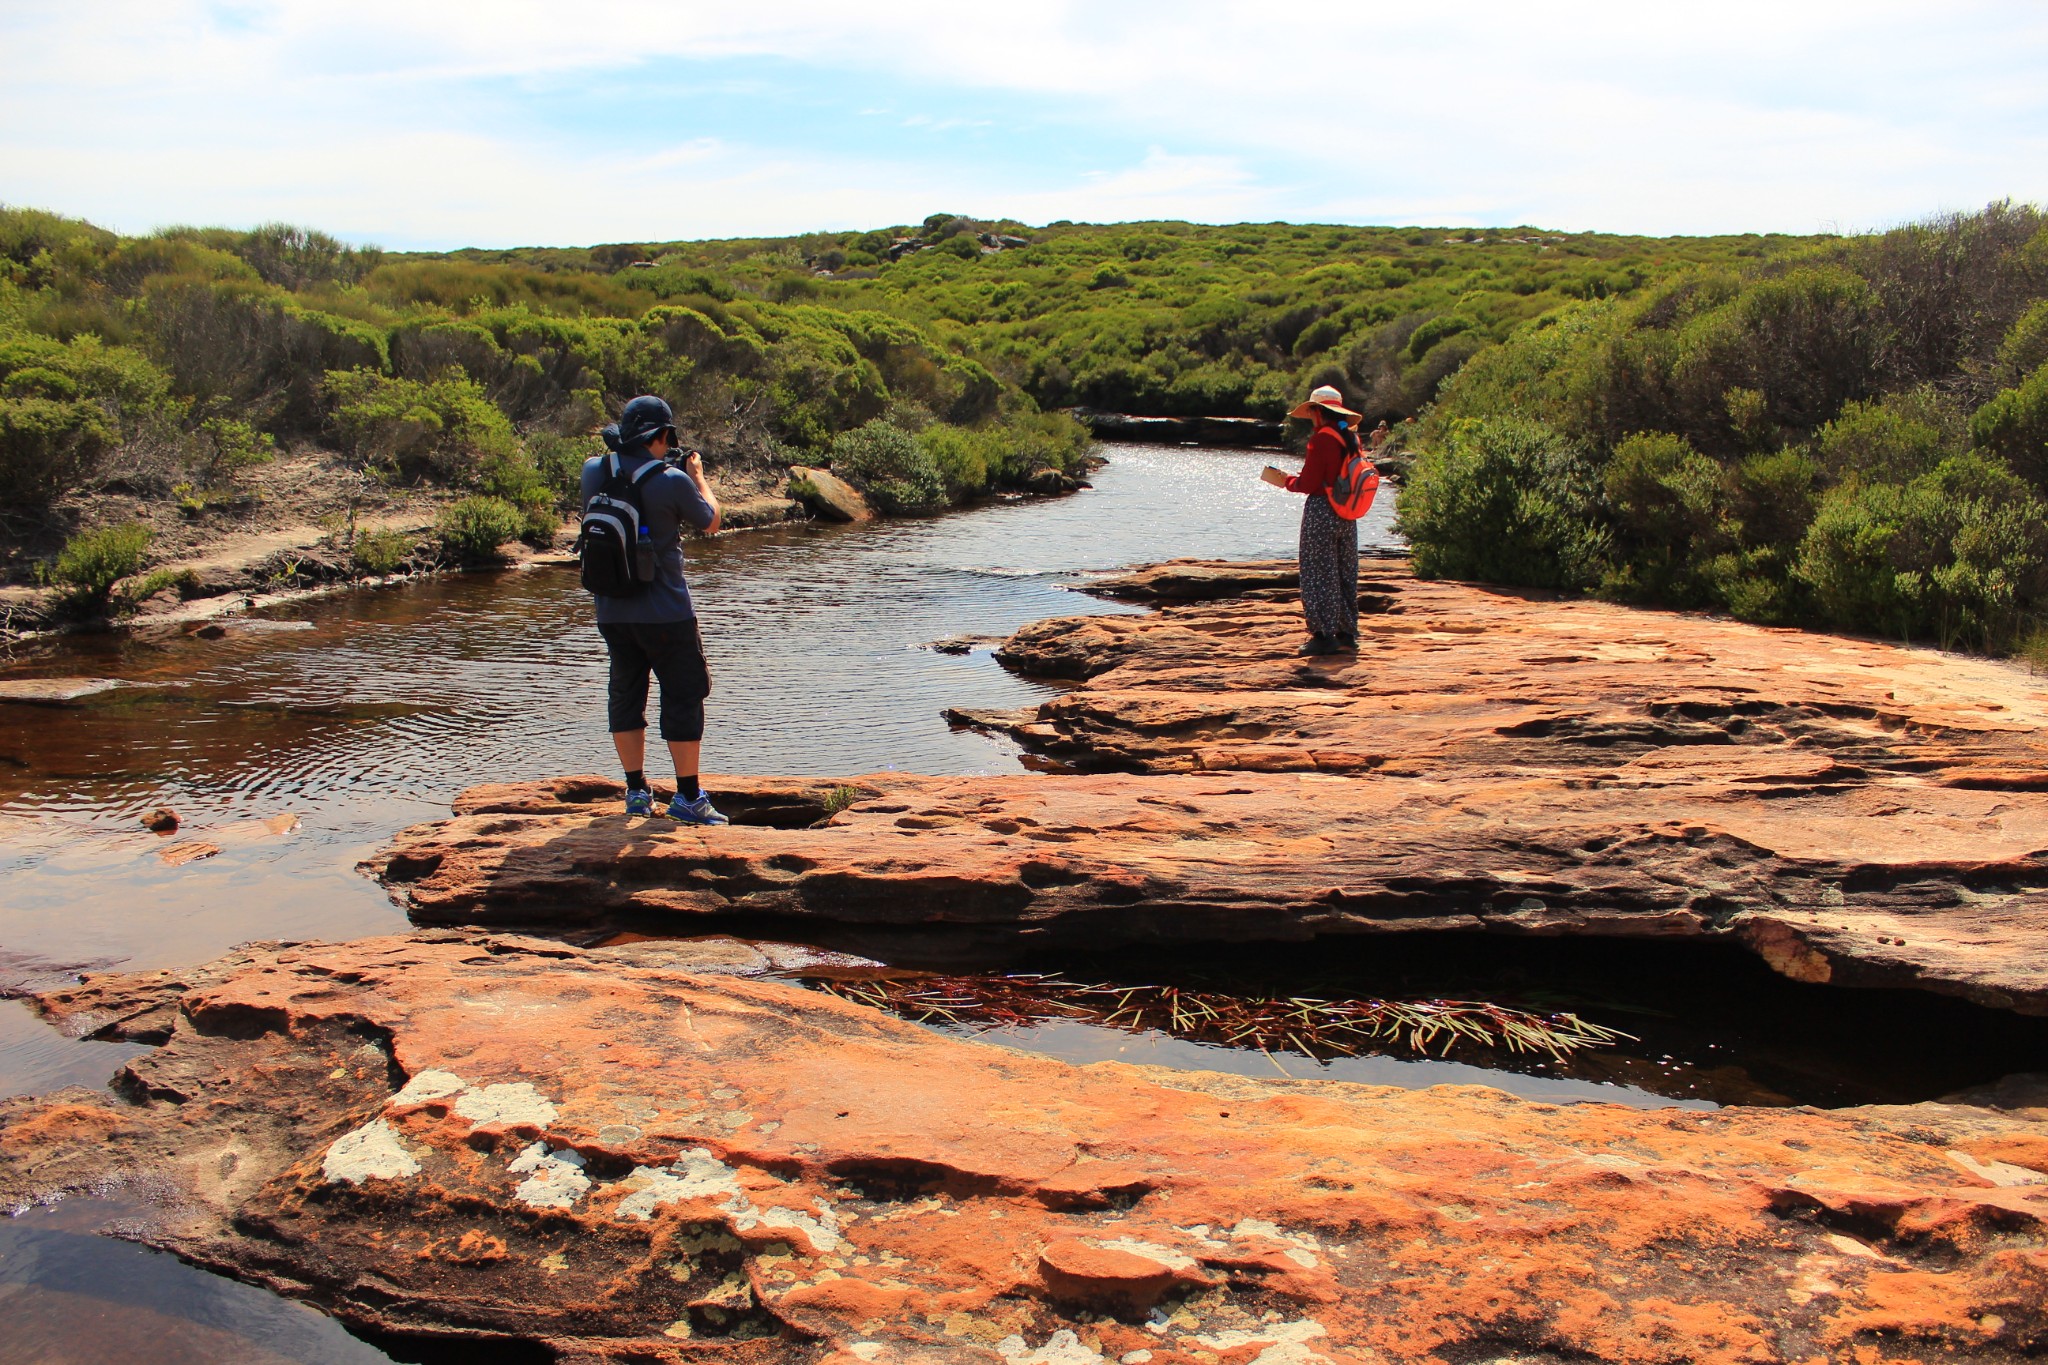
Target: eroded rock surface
1855, 812
651, 1154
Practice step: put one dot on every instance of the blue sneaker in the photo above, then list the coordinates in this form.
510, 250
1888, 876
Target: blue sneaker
639, 802
697, 812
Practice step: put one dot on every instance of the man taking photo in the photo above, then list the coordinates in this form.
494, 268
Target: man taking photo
652, 628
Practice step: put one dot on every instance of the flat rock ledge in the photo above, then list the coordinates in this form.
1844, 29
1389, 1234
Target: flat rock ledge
1855, 812
657, 1154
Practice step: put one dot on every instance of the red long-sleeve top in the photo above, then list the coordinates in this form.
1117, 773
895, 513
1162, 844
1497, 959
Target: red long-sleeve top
1326, 452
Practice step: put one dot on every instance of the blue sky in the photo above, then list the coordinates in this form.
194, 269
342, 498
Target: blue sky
429, 124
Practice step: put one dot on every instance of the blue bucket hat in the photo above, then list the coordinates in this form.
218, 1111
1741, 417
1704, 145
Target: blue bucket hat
645, 418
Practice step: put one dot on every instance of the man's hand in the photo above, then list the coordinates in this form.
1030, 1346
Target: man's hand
694, 467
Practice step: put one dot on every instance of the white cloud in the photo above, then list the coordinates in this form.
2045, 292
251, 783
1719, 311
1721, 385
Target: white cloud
394, 120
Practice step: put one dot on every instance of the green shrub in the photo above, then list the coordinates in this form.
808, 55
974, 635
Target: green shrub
1894, 439
1433, 331
559, 461
473, 529
222, 447
2014, 426
254, 348
962, 459
1805, 340
297, 257
539, 523
48, 447
895, 472
1505, 500
445, 429
65, 406
1957, 554
381, 552
1773, 497
1668, 504
92, 562
2025, 347
2031, 649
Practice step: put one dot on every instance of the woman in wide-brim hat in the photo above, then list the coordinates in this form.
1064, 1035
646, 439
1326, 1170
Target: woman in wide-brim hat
1328, 555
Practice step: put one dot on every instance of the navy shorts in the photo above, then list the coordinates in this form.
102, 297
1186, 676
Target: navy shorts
672, 651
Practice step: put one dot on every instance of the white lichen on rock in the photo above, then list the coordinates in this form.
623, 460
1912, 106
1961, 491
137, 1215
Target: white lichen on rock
371, 1152
1286, 1343
1061, 1348
1166, 1257
1301, 1248
512, 1105
697, 1174
554, 1179
821, 1230
429, 1086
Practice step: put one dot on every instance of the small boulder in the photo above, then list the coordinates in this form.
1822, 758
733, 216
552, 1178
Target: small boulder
54, 691
162, 820
248, 625
828, 495
1121, 1275
962, 644
187, 851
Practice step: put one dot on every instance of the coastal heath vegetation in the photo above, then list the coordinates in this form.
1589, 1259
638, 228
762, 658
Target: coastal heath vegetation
176, 366
1849, 433
170, 367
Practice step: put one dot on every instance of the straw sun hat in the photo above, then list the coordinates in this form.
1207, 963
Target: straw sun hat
1326, 398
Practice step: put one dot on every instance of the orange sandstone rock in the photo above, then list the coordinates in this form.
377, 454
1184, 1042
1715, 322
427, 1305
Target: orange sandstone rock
1856, 813
483, 1137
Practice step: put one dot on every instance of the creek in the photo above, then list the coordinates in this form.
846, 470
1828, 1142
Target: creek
298, 743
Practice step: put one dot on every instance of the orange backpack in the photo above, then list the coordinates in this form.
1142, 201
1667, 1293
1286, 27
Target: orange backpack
1357, 482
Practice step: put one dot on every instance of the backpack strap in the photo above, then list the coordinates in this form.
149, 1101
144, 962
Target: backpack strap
620, 484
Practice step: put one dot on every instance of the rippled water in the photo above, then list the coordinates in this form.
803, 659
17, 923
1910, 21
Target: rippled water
364, 713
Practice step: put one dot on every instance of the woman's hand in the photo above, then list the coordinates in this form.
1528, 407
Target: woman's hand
1276, 477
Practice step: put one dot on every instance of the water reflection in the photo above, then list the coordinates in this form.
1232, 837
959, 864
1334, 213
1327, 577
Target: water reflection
72, 1298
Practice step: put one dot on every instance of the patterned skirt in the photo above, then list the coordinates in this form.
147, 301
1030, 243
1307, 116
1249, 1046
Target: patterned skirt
1329, 570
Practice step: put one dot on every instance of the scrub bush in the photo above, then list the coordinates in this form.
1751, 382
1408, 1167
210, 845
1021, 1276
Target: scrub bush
972, 461
1794, 442
890, 466
1957, 554
65, 406
222, 447
473, 529
2014, 426
1668, 507
1505, 500
253, 349
381, 552
444, 429
92, 562
2025, 347
1893, 439
558, 460
1804, 340
297, 257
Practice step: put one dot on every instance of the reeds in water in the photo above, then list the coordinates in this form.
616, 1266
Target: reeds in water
1303, 1025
